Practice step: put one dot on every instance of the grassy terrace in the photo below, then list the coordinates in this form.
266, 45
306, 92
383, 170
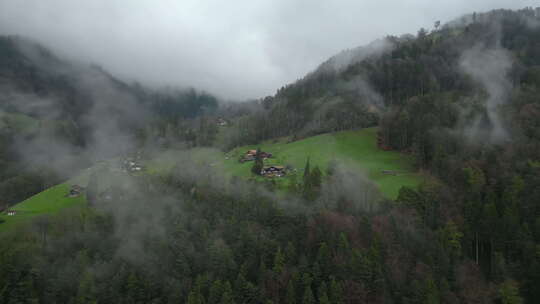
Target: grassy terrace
49, 201
355, 148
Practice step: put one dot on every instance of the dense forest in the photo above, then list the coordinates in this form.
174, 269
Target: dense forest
462, 99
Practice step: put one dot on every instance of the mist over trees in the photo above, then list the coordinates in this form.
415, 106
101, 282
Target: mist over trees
58, 117
462, 100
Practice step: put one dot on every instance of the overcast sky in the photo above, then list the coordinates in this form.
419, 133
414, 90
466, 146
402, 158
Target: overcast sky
235, 49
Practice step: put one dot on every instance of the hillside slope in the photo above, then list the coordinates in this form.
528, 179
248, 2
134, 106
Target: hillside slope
47, 202
353, 148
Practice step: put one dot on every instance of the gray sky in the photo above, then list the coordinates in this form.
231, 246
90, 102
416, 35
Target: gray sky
235, 49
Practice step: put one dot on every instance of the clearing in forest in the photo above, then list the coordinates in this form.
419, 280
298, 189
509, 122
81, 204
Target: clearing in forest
356, 148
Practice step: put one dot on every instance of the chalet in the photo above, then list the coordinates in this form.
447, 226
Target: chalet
11, 212
131, 164
222, 122
75, 191
252, 154
273, 171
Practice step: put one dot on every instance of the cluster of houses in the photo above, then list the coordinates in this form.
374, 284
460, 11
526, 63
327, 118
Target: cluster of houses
131, 164
250, 155
266, 171
11, 212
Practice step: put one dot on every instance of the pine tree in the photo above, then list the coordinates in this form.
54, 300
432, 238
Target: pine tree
308, 296
92, 190
258, 164
322, 294
316, 178
509, 293
336, 292
227, 296
307, 174
290, 254
307, 187
323, 258
291, 293
216, 291
195, 297
85, 293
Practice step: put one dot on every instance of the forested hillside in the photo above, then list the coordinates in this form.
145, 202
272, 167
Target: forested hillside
57, 117
462, 100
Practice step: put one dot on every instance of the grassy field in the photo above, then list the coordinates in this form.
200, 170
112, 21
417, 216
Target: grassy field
49, 201
354, 148
19, 122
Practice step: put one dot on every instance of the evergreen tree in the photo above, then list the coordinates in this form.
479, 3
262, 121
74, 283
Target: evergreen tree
316, 178
216, 292
336, 292
92, 190
308, 296
322, 294
279, 262
509, 293
227, 296
291, 293
85, 293
258, 163
307, 174
290, 254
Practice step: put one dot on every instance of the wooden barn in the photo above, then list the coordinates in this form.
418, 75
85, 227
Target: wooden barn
273, 171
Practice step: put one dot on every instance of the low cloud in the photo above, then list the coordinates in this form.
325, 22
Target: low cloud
489, 67
240, 49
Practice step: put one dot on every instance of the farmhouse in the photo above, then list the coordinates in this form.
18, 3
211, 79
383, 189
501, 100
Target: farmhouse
273, 171
252, 154
75, 191
131, 164
222, 122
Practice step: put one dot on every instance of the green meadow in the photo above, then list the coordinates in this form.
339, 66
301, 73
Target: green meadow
49, 201
353, 148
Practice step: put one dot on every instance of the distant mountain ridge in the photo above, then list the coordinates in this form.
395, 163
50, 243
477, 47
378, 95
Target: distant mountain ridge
59, 116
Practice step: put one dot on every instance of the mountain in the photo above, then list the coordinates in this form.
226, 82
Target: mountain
59, 116
360, 86
458, 106
462, 100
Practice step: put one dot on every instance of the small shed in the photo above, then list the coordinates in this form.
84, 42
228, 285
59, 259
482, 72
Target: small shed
75, 191
222, 122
